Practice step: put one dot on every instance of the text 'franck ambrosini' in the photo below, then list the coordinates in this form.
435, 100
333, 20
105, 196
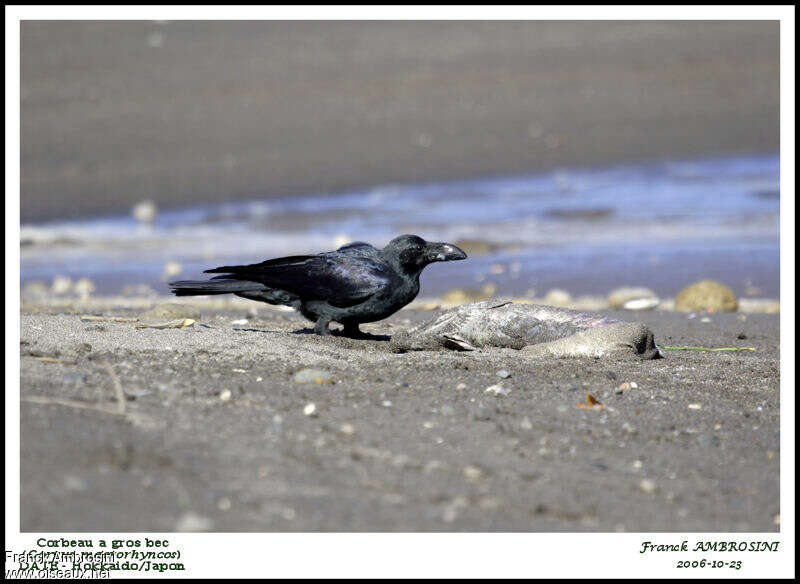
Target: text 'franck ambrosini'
712, 546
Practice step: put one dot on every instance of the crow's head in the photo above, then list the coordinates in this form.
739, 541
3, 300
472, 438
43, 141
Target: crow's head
414, 253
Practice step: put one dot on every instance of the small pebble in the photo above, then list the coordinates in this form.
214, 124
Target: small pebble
155, 40
61, 285
387, 404
224, 504
317, 376
497, 390
73, 483
526, 424
240, 321
84, 287
191, 521
225, 395
461, 386
647, 485
172, 269
473, 473
695, 406
347, 429
557, 297
449, 514
503, 374
310, 409
145, 211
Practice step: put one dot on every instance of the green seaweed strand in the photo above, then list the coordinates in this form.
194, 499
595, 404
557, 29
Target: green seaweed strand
707, 348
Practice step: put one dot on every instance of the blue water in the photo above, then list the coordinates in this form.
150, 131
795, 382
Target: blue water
661, 224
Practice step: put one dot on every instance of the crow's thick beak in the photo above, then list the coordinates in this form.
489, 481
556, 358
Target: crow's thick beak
444, 252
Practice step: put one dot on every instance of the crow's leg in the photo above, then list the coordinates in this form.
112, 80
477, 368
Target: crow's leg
321, 326
351, 330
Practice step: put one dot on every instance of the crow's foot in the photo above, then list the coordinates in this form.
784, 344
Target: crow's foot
352, 331
321, 327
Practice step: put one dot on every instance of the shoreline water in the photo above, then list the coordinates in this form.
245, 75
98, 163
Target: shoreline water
587, 229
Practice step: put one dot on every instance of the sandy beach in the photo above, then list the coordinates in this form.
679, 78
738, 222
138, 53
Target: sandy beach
216, 435
652, 158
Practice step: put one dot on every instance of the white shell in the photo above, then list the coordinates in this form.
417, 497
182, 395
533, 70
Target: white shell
641, 304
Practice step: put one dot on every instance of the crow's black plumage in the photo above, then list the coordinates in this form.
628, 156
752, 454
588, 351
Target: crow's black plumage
354, 284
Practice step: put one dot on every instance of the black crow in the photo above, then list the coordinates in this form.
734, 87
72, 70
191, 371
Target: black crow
354, 284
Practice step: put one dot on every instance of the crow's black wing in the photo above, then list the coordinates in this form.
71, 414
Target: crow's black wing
340, 279
265, 264
356, 247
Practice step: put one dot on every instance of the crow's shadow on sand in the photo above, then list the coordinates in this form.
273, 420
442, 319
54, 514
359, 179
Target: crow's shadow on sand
362, 336
310, 331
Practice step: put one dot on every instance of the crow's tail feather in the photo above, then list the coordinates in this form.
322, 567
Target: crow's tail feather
215, 286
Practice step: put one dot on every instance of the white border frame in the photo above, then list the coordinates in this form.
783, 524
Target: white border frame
424, 555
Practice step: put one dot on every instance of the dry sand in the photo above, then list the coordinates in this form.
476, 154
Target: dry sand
215, 434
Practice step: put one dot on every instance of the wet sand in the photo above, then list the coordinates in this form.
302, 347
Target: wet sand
190, 112
214, 434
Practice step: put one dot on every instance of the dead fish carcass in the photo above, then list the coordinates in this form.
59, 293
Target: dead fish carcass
538, 331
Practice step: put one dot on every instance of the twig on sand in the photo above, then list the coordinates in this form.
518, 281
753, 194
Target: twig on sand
117, 388
707, 348
71, 403
48, 359
118, 410
179, 323
92, 318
